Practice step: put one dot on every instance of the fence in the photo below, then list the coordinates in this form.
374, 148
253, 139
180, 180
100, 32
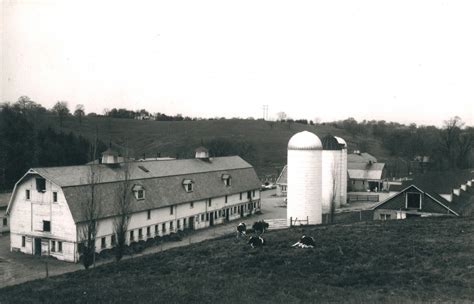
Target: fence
363, 198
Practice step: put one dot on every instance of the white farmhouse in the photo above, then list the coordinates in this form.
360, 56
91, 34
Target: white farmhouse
47, 205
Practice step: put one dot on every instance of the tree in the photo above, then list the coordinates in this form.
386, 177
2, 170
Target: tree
450, 138
61, 110
122, 210
91, 214
281, 116
79, 112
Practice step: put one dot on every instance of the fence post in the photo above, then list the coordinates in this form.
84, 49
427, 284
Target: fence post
307, 220
291, 221
47, 270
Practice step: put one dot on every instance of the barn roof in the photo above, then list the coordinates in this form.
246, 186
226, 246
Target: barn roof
162, 181
365, 171
283, 178
442, 182
79, 175
361, 158
452, 207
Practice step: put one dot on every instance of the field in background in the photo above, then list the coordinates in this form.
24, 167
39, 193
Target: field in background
395, 261
172, 138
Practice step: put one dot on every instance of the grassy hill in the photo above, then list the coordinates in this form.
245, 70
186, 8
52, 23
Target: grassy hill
395, 261
182, 137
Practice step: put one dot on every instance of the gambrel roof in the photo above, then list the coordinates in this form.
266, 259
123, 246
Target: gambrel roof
163, 182
391, 202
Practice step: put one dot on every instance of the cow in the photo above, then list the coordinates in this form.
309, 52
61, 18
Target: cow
241, 229
305, 242
260, 226
256, 241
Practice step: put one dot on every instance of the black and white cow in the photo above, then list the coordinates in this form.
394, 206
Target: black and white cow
256, 241
260, 226
241, 229
305, 242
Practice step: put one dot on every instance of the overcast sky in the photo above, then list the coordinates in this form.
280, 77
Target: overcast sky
406, 61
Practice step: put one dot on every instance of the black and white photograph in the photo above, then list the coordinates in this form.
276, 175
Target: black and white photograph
236, 151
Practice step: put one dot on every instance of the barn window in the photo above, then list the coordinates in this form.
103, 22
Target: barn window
227, 179
53, 246
103, 243
178, 224
148, 231
60, 246
156, 229
163, 227
385, 216
171, 210
131, 236
226, 199
23, 241
5, 221
28, 194
188, 185
184, 223
139, 192
40, 184
140, 233
202, 217
148, 214
47, 226
171, 226
209, 202
240, 195
413, 200
253, 193
191, 205
55, 197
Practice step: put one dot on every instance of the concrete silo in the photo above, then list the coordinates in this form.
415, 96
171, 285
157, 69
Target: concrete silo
331, 173
343, 170
304, 179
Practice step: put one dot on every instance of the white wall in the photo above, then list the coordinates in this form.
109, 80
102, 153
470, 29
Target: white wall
27, 216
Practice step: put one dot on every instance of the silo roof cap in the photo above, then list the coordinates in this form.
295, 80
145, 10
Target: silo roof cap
305, 141
341, 141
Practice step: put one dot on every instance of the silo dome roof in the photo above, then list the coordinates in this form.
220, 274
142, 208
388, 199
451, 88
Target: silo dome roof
341, 141
304, 141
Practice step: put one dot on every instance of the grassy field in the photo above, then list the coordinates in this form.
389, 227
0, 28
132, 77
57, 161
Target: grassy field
270, 139
420, 260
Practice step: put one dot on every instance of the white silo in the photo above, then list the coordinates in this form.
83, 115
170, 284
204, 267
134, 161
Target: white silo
343, 170
304, 179
331, 173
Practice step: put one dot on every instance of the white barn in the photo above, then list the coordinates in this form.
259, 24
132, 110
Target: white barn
47, 205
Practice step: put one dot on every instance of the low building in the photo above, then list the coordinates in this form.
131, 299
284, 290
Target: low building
282, 182
4, 220
365, 176
433, 194
48, 205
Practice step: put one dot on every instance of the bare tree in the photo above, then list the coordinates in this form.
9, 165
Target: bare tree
450, 138
122, 210
281, 116
91, 214
334, 193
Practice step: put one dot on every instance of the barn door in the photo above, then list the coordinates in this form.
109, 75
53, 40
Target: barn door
37, 246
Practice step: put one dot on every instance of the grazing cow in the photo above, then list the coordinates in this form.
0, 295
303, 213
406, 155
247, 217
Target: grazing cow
260, 226
256, 241
241, 229
305, 242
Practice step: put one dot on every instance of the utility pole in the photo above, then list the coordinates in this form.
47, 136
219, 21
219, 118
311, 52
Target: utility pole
265, 112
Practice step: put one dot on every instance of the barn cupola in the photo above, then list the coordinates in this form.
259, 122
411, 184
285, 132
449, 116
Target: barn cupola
110, 157
202, 153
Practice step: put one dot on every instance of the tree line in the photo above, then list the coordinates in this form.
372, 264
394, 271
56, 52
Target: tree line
26, 142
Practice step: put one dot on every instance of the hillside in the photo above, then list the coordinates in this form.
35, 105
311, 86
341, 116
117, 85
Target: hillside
395, 261
181, 137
